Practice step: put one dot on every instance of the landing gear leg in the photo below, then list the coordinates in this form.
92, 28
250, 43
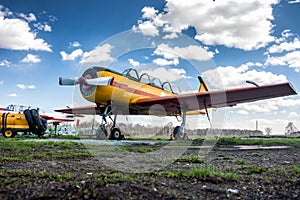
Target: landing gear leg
179, 130
115, 133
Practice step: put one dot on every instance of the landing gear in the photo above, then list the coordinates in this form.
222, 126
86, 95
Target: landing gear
179, 130
115, 133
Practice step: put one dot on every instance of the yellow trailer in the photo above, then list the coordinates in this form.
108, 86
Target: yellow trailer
28, 121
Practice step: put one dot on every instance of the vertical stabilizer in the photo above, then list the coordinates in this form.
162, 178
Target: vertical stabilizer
203, 87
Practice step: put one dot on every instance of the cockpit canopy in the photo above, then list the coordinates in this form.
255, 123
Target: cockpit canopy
147, 79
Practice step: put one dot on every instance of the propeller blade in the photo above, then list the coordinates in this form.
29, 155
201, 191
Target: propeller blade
67, 81
101, 81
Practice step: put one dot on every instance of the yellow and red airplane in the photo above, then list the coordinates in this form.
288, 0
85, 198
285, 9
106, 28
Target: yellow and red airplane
129, 93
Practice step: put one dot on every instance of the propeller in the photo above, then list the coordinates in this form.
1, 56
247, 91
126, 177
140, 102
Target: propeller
101, 81
67, 81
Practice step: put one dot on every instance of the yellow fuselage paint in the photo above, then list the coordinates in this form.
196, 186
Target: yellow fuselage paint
123, 90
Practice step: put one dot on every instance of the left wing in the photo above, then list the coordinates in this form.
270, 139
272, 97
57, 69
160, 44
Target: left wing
214, 99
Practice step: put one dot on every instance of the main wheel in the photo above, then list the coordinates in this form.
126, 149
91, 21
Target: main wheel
101, 133
9, 133
179, 132
115, 134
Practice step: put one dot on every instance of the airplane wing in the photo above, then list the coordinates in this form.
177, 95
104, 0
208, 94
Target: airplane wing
214, 99
84, 110
50, 117
194, 101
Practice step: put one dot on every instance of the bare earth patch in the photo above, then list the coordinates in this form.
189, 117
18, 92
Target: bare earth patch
70, 172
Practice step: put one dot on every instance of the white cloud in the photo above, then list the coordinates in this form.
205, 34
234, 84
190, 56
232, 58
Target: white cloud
30, 58
43, 27
24, 87
1, 82
241, 24
189, 52
231, 77
285, 46
30, 17
165, 62
134, 63
270, 105
165, 74
291, 60
294, 1
12, 95
74, 44
293, 115
147, 28
149, 12
243, 112
15, 34
5, 63
100, 54
72, 56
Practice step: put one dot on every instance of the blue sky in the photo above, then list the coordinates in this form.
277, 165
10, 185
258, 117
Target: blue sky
246, 40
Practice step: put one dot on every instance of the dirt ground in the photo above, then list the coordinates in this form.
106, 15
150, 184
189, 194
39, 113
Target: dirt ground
222, 174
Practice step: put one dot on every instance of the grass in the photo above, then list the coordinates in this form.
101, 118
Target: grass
191, 159
287, 141
24, 150
202, 172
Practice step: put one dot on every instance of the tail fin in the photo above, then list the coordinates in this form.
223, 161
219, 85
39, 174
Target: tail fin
203, 87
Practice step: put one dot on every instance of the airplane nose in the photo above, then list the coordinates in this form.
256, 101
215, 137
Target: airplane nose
87, 89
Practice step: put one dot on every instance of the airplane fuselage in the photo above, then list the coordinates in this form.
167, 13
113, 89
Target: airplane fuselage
124, 89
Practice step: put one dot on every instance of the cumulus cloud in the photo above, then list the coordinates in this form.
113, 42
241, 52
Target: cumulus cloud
12, 95
231, 77
134, 63
241, 24
293, 115
16, 34
193, 52
285, 46
30, 58
291, 60
72, 56
165, 62
5, 63
24, 87
165, 74
43, 27
74, 44
1, 82
101, 54
286, 51
294, 1
270, 105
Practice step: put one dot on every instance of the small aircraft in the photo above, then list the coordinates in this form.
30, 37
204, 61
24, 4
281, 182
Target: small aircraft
20, 118
129, 93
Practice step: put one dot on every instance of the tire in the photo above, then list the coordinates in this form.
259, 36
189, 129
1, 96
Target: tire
9, 133
179, 132
115, 134
101, 133
38, 122
29, 120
